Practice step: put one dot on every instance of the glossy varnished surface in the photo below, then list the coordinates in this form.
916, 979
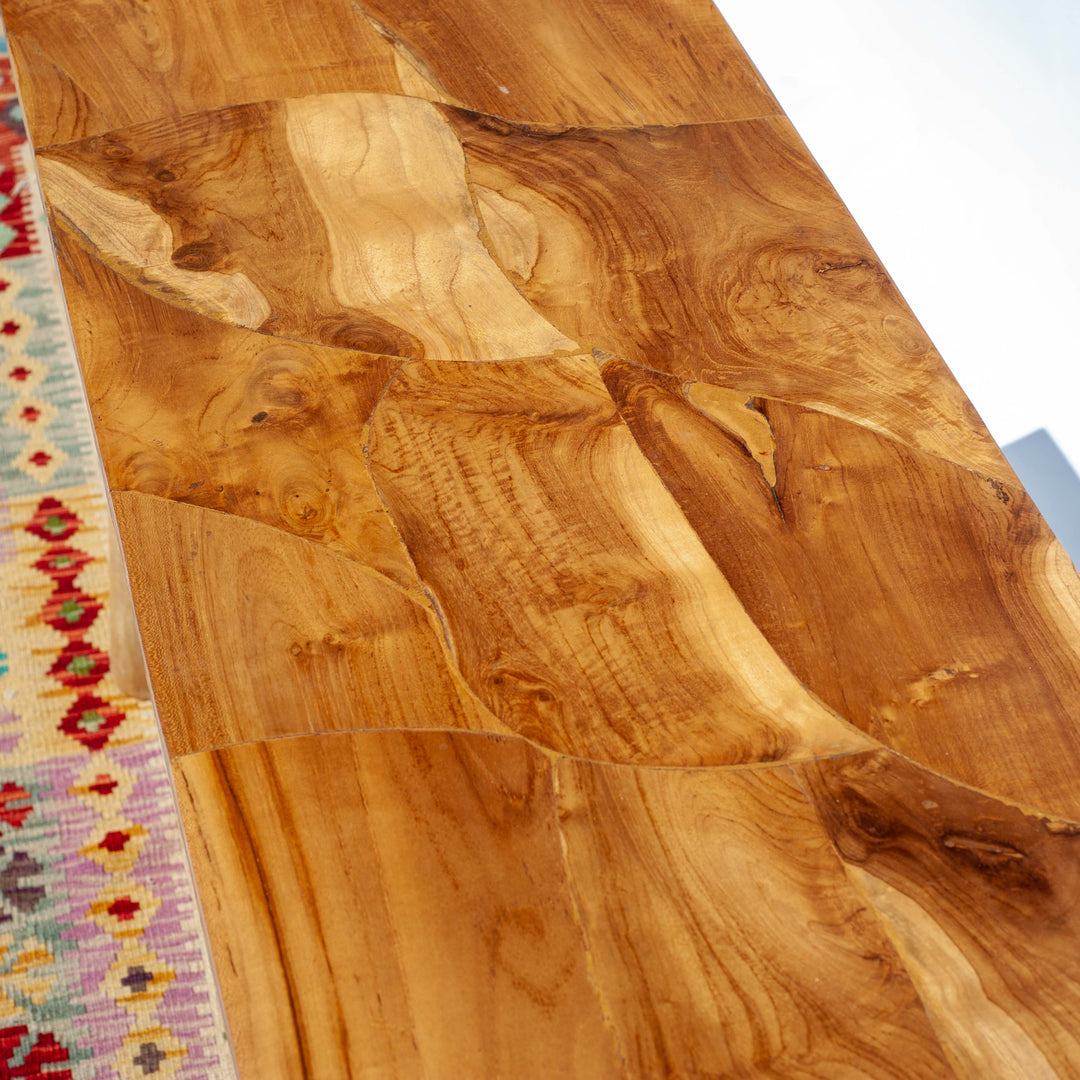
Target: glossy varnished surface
728, 941
716, 252
980, 899
594, 634
579, 604
116, 63
431, 930
192, 410
822, 525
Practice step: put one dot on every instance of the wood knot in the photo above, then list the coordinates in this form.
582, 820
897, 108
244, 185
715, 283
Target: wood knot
115, 151
199, 255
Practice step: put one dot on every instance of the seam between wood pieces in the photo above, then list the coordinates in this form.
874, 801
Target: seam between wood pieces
601, 356
527, 126
879, 917
553, 756
450, 654
255, 523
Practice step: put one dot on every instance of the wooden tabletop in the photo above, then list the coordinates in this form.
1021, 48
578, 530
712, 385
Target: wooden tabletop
594, 634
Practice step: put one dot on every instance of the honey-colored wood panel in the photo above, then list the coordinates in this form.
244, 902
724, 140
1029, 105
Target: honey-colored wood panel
606, 62
343, 219
117, 63
88, 66
710, 498
727, 940
190, 409
981, 901
902, 589
251, 633
720, 253
581, 607
392, 904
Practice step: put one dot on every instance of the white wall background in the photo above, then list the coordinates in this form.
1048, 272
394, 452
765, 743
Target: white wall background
951, 128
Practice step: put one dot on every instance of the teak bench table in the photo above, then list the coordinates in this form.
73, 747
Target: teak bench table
593, 632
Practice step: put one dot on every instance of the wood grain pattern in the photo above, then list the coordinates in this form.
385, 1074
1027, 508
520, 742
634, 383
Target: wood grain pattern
980, 899
553, 61
343, 219
431, 932
900, 588
580, 606
121, 63
728, 941
316, 643
720, 253
190, 409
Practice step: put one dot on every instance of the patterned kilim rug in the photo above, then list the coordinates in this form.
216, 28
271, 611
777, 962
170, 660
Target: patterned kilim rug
104, 970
